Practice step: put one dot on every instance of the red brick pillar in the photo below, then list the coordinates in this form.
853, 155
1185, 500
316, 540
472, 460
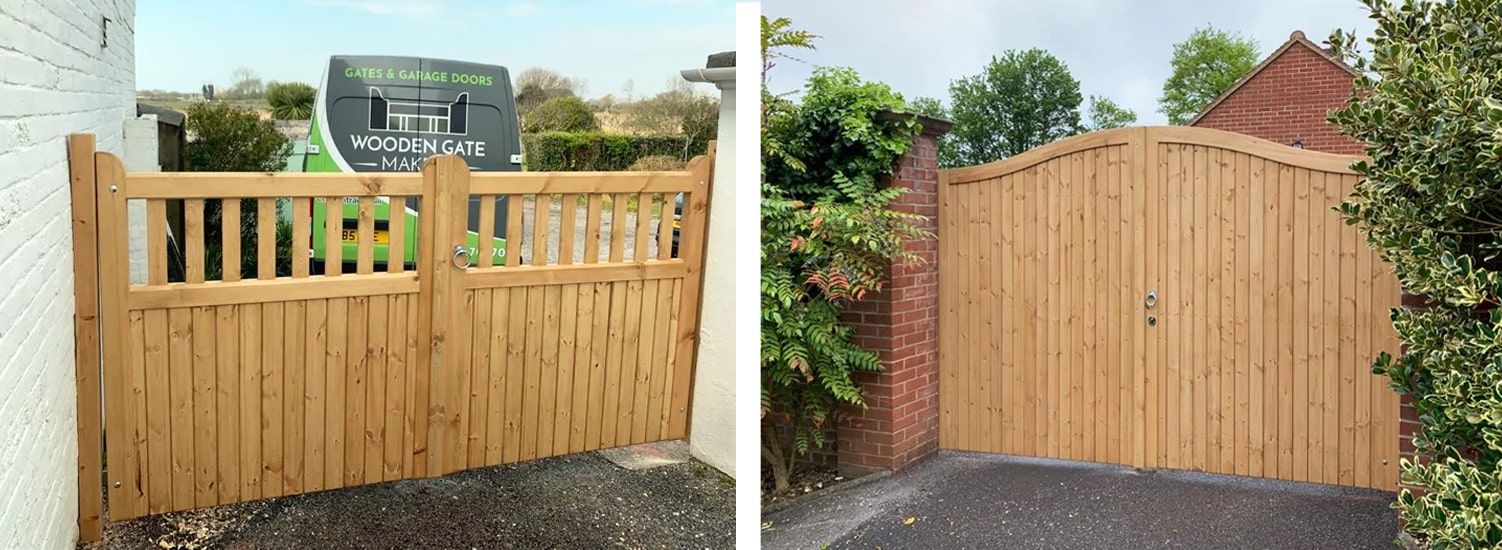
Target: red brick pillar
900, 424
1408, 418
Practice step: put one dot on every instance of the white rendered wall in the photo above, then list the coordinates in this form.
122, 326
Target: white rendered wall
712, 425
56, 78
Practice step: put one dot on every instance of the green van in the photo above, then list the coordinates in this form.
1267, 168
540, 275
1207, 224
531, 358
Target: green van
388, 114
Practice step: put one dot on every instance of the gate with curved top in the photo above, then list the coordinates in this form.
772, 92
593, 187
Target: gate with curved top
1166, 297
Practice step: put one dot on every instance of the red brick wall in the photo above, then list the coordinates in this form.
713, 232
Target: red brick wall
1288, 101
900, 424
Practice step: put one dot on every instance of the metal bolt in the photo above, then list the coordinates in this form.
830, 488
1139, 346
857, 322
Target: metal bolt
117, 485
114, 189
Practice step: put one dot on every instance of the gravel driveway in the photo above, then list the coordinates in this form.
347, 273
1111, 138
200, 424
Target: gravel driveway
576, 501
607, 229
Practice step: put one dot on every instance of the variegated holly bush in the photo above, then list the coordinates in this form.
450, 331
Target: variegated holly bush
1428, 106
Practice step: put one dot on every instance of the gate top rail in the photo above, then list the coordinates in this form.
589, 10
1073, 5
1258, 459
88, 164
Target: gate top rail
250, 185
1151, 135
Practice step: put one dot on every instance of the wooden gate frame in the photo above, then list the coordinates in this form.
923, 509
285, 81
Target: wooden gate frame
100, 188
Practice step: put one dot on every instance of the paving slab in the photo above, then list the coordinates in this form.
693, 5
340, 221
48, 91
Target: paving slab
648, 455
973, 500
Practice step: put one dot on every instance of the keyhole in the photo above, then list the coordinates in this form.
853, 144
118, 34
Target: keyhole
1152, 320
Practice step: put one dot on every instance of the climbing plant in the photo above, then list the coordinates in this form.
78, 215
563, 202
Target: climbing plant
1428, 105
828, 234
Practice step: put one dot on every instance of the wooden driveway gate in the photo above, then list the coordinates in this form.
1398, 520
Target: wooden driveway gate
1166, 297
221, 391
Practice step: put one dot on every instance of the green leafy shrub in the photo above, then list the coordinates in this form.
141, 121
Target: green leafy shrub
595, 151
561, 114
1428, 106
224, 138
291, 100
828, 235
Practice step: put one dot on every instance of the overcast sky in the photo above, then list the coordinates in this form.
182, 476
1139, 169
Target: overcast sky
182, 44
1117, 49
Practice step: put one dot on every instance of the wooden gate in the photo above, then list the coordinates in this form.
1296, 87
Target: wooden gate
1166, 297
218, 389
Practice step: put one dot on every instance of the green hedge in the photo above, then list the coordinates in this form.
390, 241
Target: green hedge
598, 151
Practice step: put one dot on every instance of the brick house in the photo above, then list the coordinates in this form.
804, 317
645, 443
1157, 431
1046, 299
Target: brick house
1285, 99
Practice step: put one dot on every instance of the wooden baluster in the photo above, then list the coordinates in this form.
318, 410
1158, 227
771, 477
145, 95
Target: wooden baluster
333, 231
156, 242
396, 250
665, 227
266, 238
193, 227
365, 251
566, 229
542, 211
230, 237
643, 227
486, 232
618, 227
592, 229
513, 230
302, 228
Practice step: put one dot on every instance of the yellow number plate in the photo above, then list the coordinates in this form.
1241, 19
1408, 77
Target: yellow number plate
353, 236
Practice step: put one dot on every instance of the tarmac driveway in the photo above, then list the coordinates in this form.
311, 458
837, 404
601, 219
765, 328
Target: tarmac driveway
970, 500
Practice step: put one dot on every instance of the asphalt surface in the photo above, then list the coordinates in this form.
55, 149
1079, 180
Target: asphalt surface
577, 501
969, 500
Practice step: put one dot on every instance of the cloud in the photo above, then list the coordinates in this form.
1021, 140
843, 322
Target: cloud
402, 8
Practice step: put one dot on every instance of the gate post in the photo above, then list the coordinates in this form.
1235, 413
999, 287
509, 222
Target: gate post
86, 336
900, 424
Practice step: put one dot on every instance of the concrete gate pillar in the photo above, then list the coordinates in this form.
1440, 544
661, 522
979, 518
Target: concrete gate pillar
900, 424
711, 435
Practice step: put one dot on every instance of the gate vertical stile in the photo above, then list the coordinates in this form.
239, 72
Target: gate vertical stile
125, 481
695, 228
441, 293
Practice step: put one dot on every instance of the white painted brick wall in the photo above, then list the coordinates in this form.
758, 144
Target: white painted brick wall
55, 79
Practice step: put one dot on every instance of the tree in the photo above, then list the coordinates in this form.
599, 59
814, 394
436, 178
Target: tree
1209, 62
536, 85
1104, 114
681, 109
777, 37
933, 107
247, 84
1428, 107
828, 232
1019, 101
291, 100
561, 114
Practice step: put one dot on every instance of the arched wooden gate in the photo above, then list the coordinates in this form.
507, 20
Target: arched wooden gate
1166, 297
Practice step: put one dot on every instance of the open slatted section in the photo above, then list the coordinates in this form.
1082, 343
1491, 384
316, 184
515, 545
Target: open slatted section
244, 373
1269, 309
